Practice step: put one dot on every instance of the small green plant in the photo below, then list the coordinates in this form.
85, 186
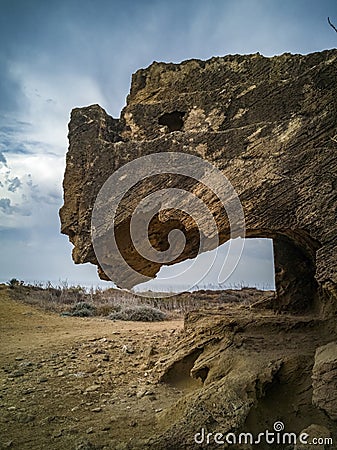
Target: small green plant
141, 313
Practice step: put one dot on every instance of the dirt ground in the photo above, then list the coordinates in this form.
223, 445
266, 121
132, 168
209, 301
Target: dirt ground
79, 383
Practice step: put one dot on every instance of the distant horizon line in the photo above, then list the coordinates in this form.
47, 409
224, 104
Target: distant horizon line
59, 283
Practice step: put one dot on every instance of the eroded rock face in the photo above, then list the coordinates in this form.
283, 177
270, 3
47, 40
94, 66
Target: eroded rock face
325, 379
321, 434
241, 371
269, 125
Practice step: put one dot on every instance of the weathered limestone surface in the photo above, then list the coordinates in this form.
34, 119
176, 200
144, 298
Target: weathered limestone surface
240, 370
269, 124
325, 379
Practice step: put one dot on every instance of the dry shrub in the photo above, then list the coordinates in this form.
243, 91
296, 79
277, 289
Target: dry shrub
141, 313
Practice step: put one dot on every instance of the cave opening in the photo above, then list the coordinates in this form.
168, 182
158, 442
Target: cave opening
173, 120
295, 269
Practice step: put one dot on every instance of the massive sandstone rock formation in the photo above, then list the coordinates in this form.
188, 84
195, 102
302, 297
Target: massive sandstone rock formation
270, 126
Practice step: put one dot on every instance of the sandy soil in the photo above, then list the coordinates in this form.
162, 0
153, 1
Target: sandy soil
79, 383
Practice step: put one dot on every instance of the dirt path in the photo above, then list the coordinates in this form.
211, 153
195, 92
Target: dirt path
78, 383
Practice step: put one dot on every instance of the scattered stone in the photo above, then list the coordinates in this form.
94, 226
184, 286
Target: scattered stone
149, 393
17, 373
140, 394
85, 445
48, 419
97, 410
92, 388
43, 380
25, 418
128, 349
90, 430
149, 351
26, 364
57, 434
131, 394
79, 374
121, 446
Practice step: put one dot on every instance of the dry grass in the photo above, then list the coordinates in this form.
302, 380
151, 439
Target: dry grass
77, 301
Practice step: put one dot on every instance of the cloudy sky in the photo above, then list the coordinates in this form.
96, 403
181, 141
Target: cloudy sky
56, 55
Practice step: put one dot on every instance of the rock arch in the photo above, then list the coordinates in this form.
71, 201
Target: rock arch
269, 124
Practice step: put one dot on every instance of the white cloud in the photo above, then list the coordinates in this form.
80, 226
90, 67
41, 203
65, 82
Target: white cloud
49, 98
8, 208
32, 184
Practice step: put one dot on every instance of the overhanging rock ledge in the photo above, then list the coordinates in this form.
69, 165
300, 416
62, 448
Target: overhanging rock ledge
269, 124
